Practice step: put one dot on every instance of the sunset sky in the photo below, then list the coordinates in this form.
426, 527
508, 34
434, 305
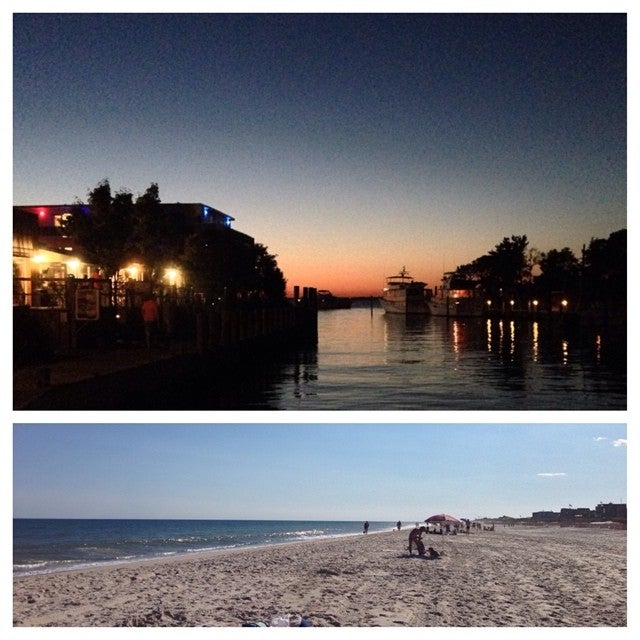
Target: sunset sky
348, 144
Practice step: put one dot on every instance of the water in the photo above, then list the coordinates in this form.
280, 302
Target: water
369, 360
374, 361
45, 546
377, 361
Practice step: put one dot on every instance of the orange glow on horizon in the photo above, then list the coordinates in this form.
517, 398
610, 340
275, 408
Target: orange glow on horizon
355, 281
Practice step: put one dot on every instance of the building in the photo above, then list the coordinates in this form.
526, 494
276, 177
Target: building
571, 513
546, 516
45, 256
611, 511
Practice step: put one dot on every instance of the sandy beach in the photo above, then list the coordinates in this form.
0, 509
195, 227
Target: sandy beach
511, 577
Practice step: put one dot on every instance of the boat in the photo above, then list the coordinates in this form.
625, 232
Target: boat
457, 297
326, 300
404, 295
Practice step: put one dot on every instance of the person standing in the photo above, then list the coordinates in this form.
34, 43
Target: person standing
365, 528
399, 525
150, 317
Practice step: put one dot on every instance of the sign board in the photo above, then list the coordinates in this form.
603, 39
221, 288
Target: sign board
87, 304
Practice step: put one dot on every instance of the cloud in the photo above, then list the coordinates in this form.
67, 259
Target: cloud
620, 442
598, 438
551, 475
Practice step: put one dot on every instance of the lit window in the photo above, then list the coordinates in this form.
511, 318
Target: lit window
60, 218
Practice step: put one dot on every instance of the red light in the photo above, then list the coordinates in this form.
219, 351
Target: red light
42, 213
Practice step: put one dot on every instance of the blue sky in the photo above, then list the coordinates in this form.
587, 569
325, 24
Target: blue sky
349, 145
314, 471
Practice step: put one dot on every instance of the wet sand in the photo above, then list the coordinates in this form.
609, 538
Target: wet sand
511, 577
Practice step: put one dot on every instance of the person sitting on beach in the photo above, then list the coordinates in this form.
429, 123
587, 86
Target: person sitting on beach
433, 553
415, 537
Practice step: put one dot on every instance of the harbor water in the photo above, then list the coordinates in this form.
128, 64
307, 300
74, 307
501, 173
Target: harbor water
368, 360
51, 545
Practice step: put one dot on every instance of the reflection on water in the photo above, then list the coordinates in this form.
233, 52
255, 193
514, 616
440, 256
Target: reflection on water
372, 361
367, 360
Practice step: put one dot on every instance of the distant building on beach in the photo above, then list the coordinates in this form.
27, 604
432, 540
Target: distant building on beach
572, 514
610, 511
602, 512
549, 516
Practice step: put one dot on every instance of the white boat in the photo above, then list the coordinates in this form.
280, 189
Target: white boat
457, 297
404, 295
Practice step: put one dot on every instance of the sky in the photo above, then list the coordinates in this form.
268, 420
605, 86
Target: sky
350, 145
326, 471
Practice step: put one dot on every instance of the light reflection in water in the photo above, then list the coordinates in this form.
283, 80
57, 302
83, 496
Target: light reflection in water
534, 341
376, 361
512, 339
456, 336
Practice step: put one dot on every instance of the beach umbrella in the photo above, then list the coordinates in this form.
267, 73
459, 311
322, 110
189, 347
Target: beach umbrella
443, 518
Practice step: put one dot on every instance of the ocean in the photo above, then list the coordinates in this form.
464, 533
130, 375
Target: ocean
50, 545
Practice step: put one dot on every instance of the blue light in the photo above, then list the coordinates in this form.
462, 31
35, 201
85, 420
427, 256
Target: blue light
205, 212
227, 221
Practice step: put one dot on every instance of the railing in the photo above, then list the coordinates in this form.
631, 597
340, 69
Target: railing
71, 314
57, 293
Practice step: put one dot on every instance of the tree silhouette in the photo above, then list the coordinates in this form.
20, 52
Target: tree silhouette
560, 271
158, 237
218, 261
502, 270
103, 233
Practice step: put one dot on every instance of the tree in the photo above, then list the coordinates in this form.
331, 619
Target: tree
220, 263
238, 273
269, 281
103, 233
508, 263
560, 270
158, 237
605, 272
503, 270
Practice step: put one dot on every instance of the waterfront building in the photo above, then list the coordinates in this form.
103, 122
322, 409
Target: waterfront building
45, 256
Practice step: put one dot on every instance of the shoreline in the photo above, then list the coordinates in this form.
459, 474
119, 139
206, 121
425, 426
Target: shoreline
188, 555
516, 578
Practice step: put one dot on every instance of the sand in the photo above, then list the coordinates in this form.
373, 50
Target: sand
513, 577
